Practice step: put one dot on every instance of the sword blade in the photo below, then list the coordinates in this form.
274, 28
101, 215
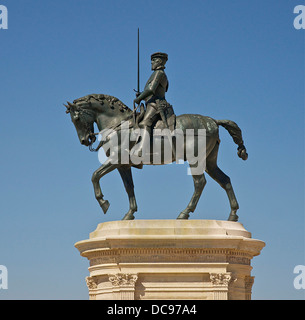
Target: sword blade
138, 88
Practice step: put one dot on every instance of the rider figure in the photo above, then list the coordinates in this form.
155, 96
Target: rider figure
153, 94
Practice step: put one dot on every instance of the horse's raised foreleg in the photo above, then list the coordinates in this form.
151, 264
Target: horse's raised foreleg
97, 175
199, 183
224, 181
126, 176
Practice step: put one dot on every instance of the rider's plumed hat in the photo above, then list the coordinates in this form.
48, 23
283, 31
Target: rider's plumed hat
161, 55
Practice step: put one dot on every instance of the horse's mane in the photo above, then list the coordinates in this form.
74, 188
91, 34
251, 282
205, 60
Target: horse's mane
111, 101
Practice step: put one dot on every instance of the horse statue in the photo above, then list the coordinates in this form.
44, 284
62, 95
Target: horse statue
110, 113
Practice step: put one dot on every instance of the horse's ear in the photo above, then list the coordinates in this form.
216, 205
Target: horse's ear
68, 108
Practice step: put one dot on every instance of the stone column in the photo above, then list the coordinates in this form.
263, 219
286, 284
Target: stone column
220, 282
123, 285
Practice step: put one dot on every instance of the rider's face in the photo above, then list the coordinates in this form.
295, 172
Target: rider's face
155, 63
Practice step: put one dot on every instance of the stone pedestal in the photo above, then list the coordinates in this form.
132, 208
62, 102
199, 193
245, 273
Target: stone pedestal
170, 259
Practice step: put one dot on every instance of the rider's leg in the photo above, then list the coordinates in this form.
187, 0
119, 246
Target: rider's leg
145, 124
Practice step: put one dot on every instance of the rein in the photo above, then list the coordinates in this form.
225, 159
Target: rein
90, 145
91, 134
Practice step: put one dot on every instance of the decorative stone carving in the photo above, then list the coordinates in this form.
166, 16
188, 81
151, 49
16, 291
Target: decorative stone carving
123, 279
221, 279
91, 283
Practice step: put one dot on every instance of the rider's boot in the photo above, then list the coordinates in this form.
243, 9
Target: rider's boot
144, 144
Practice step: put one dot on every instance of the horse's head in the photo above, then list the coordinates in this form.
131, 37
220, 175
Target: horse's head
83, 120
107, 111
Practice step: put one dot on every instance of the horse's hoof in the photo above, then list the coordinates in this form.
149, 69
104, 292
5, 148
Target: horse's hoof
104, 205
128, 216
183, 216
233, 217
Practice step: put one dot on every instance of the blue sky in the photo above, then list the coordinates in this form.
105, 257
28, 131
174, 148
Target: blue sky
239, 60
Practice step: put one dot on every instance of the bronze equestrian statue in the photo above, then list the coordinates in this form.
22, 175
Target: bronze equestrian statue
110, 113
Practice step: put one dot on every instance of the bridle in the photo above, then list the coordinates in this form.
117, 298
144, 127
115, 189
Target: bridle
88, 129
91, 135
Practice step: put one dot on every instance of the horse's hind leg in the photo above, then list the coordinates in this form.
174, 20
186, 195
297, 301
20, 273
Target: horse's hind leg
199, 183
126, 176
224, 181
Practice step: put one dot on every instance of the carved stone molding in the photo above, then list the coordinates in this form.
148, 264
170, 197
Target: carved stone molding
249, 280
177, 255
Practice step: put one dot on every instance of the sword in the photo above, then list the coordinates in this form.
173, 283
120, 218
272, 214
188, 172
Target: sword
138, 79
138, 88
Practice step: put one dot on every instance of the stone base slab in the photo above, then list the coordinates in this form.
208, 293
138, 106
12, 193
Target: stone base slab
170, 259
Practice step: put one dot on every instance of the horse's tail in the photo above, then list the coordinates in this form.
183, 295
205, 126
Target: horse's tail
235, 133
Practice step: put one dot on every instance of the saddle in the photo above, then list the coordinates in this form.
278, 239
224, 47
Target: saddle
133, 123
